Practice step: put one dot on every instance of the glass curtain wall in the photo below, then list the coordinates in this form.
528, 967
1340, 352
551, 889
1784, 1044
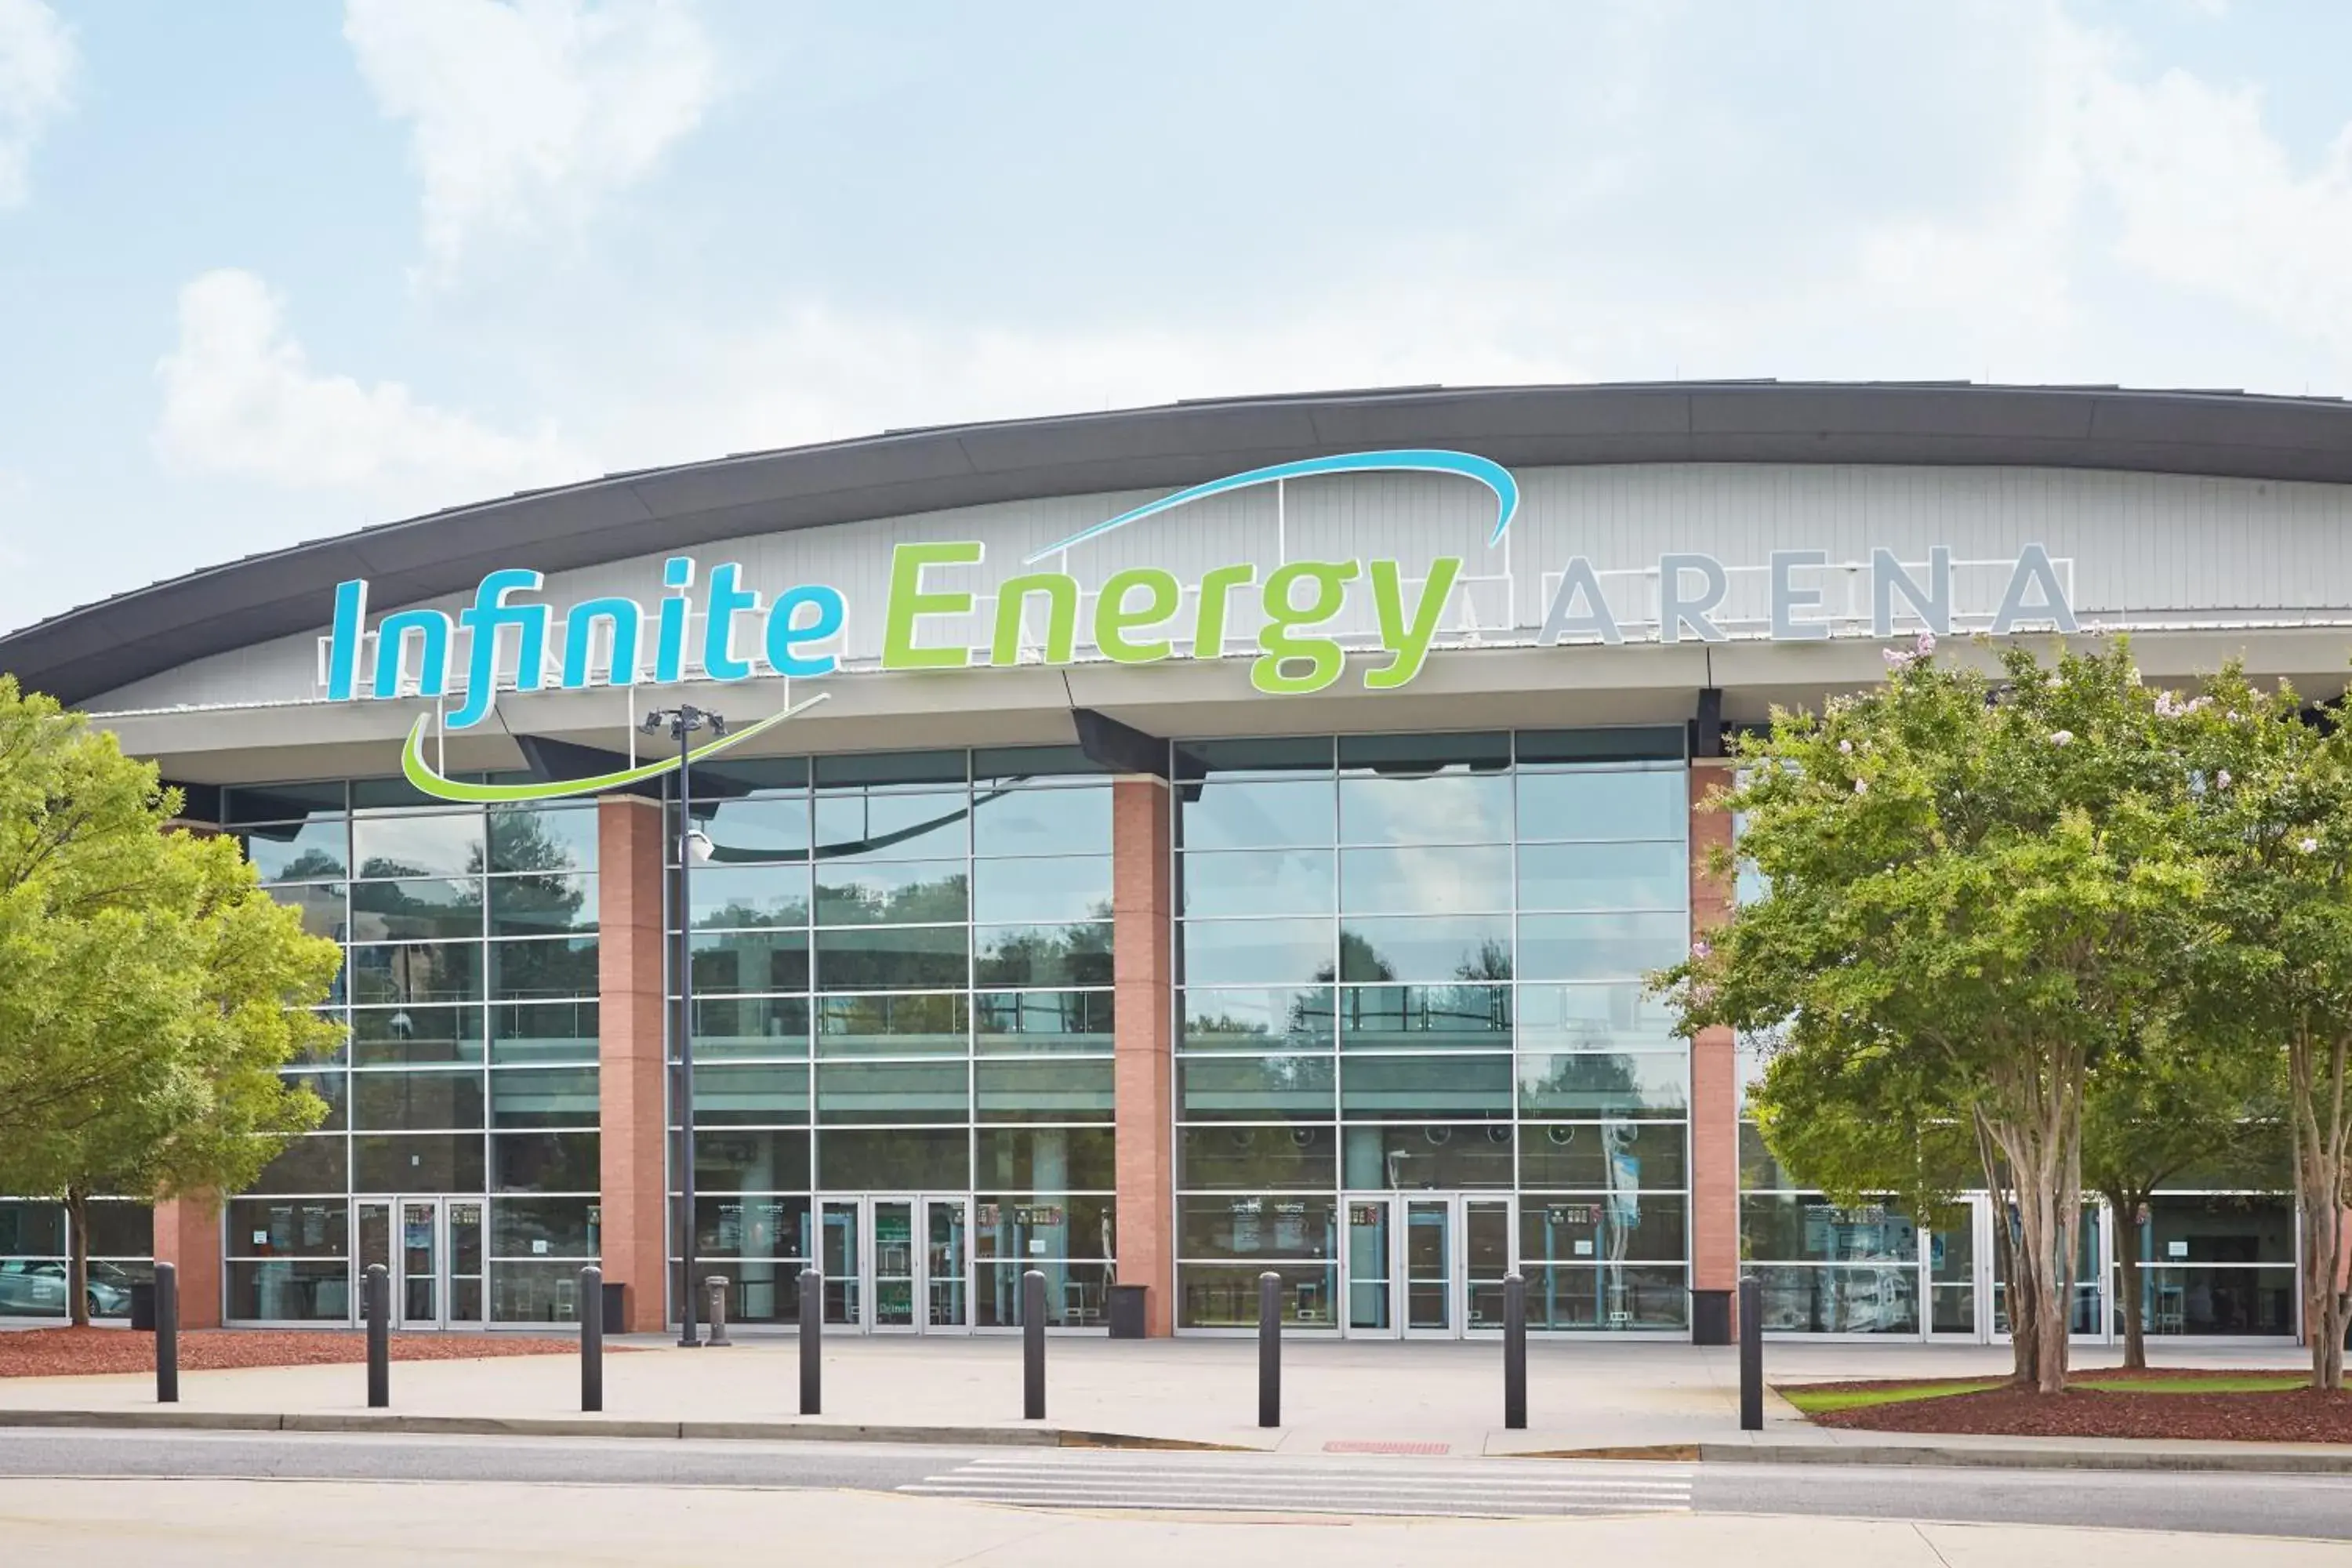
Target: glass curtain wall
1413, 965
902, 973
468, 991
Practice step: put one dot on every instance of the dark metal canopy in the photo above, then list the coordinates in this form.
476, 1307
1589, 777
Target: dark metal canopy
98, 646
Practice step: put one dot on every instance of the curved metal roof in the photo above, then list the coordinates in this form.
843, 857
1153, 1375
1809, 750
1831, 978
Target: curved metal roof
103, 646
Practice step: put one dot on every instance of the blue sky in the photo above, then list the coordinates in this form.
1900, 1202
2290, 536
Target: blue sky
273, 271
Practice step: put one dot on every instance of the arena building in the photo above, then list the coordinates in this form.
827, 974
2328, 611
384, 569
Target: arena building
1151, 848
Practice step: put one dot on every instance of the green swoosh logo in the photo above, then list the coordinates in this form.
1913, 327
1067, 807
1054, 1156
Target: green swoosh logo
420, 772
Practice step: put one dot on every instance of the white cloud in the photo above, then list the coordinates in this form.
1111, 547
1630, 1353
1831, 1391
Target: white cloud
38, 61
240, 398
532, 111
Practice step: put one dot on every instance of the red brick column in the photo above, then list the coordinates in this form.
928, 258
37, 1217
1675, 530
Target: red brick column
1143, 971
630, 1062
188, 1236
1714, 1074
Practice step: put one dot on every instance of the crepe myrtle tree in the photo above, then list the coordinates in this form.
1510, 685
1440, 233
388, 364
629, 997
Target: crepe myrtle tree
1978, 881
150, 991
2274, 791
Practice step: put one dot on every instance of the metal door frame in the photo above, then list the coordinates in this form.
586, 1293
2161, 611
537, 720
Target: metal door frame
396, 1260
1346, 1324
919, 1207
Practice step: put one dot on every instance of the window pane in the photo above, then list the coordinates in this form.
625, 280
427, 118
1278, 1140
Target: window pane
1592, 1017
1410, 947
418, 846
1078, 954
562, 1097
743, 831
893, 1026
543, 905
537, 970
416, 1036
1425, 1089
893, 1093
1050, 1225
1225, 1295
1033, 765
1251, 1226
1023, 1023
1458, 880
752, 1228
1255, 1088
31, 1227
1046, 1159
418, 1162
1595, 1156
325, 906
539, 1228
1806, 1228
2216, 1230
1451, 808
435, 911
735, 898
734, 1160
1596, 1083
1278, 1019
289, 1227
751, 1027
1042, 821
334, 1088
750, 1096
895, 892
542, 838
314, 851
900, 1159
1258, 882
416, 972
1064, 887
1425, 1017
1043, 1091
904, 958
543, 1032
1427, 1157
416, 1101
1257, 1159
1599, 947
1879, 1300
754, 961
1643, 876
1605, 803
1256, 953
288, 1290
317, 1164
1259, 814
910, 826
543, 1162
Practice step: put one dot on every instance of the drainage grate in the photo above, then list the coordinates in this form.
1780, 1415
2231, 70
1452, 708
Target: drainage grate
1387, 1448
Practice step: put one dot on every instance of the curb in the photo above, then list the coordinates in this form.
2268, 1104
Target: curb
1925, 1454
586, 1427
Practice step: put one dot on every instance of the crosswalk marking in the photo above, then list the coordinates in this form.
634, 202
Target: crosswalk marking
1265, 1484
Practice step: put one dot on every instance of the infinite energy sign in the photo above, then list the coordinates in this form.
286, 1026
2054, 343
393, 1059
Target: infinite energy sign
1139, 615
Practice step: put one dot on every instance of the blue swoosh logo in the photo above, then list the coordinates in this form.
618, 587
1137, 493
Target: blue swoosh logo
1416, 461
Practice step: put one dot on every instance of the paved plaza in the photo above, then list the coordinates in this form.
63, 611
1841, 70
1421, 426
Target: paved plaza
1583, 1395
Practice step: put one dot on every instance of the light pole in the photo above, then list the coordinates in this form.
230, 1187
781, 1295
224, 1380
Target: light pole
683, 722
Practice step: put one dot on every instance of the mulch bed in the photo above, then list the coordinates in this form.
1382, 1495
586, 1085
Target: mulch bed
69, 1352
2288, 1416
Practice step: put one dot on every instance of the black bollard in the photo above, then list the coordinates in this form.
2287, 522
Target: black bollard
592, 1338
1032, 1346
1752, 1356
811, 1342
167, 1333
1269, 1349
1515, 1352
377, 1304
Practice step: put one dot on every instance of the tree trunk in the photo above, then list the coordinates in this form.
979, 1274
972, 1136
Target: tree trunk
2126, 1206
2017, 1297
78, 1256
2322, 1112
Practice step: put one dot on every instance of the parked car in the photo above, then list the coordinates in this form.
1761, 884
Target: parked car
36, 1287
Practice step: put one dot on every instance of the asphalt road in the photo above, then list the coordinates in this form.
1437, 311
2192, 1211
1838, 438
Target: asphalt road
2314, 1506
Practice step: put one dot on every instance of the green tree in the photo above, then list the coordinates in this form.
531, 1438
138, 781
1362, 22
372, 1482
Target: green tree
1977, 883
148, 989
2276, 807
2173, 1101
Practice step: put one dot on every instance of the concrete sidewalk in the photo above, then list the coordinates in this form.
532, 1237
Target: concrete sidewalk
1583, 1396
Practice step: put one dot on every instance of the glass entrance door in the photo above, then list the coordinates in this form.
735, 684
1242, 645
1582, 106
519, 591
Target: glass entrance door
433, 1249
1485, 1227
897, 1264
1371, 1282
1429, 1270
1956, 1243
